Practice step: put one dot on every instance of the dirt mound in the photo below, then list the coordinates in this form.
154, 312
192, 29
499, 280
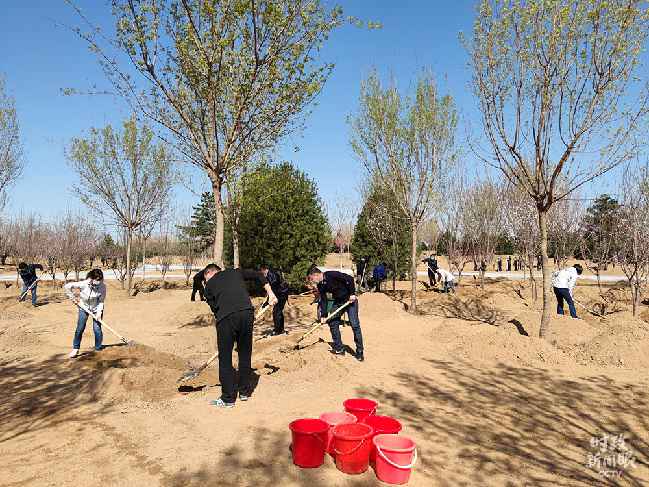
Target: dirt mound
623, 342
134, 372
151, 286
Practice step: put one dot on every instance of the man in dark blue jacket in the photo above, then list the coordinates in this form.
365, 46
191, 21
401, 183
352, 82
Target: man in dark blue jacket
280, 288
378, 275
28, 275
431, 264
341, 288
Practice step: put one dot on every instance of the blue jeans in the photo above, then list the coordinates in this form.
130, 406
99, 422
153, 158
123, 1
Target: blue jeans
334, 327
564, 293
25, 287
81, 326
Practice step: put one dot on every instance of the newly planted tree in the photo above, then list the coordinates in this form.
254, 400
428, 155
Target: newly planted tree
124, 177
560, 98
408, 144
224, 79
11, 149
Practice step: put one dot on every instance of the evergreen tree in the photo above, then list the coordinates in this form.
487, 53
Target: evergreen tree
381, 234
282, 222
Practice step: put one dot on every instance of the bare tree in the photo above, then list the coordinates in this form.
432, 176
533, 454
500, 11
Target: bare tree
11, 149
124, 177
560, 99
483, 216
521, 221
632, 232
453, 224
408, 143
342, 213
564, 221
225, 80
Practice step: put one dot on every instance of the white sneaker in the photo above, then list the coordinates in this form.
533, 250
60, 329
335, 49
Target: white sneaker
74, 353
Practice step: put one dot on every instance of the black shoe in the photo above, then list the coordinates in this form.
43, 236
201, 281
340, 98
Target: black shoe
359, 357
275, 333
337, 352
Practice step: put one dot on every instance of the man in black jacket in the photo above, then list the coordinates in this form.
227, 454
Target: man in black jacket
341, 288
280, 289
226, 294
28, 275
431, 263
199, 285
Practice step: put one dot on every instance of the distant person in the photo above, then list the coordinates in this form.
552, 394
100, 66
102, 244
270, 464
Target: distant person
563, 282
361, 269
198, 285
431, 264
91, 292
28, 275
516, 265
483, 266
379, 275
226, 293
500, 264
509, 263
341, 288
447, 279
280, 288
539, 263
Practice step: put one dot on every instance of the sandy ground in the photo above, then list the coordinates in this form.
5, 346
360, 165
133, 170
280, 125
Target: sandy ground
487, 402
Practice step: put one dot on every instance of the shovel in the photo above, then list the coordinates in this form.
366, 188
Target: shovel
592, 312
318, 324
104, 324
192, 374
22, 296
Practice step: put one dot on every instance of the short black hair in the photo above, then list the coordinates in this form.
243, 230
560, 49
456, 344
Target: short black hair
95, 275
579, 269
212, 267
313, 270
22, 266
264, 267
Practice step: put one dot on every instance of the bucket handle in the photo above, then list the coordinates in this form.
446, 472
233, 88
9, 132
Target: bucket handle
401, 467
354, 450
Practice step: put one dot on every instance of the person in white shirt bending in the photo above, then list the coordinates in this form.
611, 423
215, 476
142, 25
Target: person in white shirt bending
564, 282
447, 279
90, 292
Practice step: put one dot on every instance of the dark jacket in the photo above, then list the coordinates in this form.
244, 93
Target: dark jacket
199, 278
432, 264
226, 291
277, 283
28, 275
339, 285
361, 266
379, 273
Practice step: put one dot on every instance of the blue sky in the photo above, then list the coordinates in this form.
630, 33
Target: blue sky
38, 57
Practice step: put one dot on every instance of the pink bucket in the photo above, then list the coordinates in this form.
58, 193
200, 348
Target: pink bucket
334, 419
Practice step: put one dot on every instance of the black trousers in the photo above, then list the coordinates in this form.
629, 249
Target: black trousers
235, 328
198, 287
278, 313
432, 277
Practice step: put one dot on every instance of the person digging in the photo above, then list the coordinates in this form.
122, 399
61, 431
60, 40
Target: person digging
198, 285
280, 288
227, 296
563, 283
28, 275
341, 287
91, 293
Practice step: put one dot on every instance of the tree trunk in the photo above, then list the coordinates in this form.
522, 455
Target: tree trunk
143, 259
413, 271
634, 296
482, 279
128, 261
547, 284
235, 248
220, 219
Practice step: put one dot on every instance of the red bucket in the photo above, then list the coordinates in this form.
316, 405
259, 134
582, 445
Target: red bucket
361, 408
351, 446
382, 425
309, 442
334, 419
395, 457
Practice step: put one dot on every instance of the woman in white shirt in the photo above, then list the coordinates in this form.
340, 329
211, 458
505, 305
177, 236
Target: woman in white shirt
90, 292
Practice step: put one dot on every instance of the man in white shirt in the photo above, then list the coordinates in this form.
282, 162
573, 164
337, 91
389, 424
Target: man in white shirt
447, 279
564, 282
